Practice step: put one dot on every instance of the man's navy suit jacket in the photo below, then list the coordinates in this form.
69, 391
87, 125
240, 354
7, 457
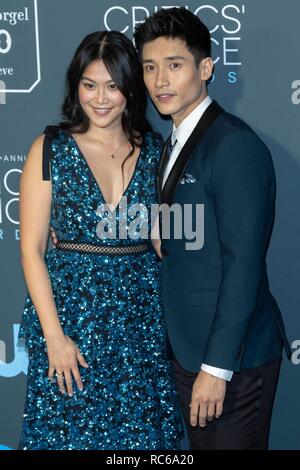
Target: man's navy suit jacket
217, 302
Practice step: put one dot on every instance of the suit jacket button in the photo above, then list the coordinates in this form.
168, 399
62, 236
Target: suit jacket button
240, 352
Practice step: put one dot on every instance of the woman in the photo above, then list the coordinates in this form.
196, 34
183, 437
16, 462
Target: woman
93, 323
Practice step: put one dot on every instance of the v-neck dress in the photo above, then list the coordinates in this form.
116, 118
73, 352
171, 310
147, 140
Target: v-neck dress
111, 307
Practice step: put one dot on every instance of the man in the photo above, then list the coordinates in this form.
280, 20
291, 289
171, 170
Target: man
224, 326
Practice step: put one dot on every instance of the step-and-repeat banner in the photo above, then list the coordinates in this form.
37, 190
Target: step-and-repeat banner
256, 53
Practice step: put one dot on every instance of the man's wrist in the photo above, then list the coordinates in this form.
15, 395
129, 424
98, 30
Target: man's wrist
218, 372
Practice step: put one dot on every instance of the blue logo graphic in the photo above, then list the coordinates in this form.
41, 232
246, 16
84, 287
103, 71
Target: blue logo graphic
2, 447
19, 363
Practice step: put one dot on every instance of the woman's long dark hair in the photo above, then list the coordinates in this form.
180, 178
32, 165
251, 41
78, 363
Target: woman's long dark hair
122, 62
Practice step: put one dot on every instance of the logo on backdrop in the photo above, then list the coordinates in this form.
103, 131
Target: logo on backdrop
295, 97
9, 198
296, 353
225, 25
3, 447
19, 47
20, 361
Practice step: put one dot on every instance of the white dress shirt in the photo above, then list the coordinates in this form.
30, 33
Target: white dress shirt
180, 135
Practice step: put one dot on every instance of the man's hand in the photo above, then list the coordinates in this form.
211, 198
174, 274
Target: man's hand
207, 398
53, 236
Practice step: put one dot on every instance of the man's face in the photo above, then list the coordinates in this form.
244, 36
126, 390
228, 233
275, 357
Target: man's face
175, 84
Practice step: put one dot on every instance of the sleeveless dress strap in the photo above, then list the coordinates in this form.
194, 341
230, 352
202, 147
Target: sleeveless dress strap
51, 132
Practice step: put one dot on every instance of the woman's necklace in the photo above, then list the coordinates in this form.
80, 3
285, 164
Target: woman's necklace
113, 155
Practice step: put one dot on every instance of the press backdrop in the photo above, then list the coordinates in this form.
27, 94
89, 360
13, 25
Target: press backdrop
256, 52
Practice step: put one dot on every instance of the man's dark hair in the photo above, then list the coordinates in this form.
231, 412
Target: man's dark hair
176, 23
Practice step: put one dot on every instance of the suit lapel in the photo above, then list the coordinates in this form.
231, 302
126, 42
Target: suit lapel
209, 116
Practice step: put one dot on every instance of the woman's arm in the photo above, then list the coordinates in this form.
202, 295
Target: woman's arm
35, 203
35, 206
155, 237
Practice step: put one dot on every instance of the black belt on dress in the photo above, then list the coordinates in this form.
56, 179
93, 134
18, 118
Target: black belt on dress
102, 249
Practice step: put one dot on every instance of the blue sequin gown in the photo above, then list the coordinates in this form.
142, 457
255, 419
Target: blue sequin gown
111, 307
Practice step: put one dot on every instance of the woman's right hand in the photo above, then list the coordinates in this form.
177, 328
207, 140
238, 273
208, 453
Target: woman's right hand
64, 356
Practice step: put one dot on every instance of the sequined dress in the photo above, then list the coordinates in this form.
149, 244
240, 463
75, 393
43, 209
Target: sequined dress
111, 307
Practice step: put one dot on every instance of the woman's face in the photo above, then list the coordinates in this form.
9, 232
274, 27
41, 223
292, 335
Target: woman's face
100, 99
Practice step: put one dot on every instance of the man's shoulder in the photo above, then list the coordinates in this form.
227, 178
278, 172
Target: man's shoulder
233, 140
230, 127
228, 123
